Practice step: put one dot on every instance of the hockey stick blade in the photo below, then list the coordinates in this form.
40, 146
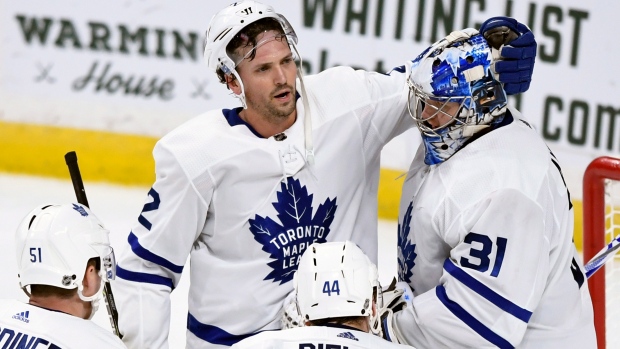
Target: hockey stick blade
602, 257
80, 193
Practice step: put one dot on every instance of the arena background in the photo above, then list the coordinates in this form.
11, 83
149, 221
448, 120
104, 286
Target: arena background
108, 78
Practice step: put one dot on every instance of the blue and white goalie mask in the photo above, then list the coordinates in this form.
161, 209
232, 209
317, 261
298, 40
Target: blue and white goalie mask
453, 93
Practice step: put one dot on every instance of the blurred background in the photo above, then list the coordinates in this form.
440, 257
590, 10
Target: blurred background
109, 78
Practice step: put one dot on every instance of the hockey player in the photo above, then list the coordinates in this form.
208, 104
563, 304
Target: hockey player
64, 258
245, 191
486, 221
336, 287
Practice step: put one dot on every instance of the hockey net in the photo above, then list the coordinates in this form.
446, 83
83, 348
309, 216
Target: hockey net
601, 223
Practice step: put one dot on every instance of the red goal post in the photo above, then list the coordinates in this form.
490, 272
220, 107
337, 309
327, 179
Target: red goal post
599, 227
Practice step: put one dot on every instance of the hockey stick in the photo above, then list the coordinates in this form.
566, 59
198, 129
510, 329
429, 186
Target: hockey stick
602, 257
80, 193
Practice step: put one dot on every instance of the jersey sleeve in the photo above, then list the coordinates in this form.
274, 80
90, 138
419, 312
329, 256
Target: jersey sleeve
492, 281
388, 94
157, 248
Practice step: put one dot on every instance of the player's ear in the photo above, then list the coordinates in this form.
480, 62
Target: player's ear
91, 280
233, 84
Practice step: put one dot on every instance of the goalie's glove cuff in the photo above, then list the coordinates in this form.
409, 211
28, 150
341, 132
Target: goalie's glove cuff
387, 328
396, 297
514, 53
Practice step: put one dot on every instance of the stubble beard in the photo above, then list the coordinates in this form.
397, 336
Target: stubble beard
272, 113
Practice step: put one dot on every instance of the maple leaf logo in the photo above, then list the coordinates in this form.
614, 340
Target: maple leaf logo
287, 241
406, 250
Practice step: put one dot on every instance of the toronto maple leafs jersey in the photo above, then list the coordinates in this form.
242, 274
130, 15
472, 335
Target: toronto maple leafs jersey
245, 208
486, 243
317, 337
27, 326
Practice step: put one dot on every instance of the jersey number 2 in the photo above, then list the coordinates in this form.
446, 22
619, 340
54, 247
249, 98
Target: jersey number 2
484, 253
151, 206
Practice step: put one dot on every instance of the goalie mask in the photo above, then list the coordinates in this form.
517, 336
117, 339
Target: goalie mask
454, 94
54, 244
227, 23
336, 279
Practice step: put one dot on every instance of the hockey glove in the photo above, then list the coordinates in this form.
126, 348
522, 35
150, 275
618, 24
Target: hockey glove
514, 52
396, 297
291, 317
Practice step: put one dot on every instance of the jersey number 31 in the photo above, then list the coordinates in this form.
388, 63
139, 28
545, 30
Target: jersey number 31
483, 254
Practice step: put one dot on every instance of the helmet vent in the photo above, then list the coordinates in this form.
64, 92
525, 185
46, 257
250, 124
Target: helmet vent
31, 220
222, 34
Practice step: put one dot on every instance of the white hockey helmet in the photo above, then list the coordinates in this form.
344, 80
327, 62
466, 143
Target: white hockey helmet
54, 244
335, 279
227, 23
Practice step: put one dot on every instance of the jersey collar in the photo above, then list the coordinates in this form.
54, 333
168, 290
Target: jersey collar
233, 118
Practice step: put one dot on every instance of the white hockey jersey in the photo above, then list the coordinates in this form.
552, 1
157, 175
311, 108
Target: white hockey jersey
317, 337
245, 208
486, 243
27, 326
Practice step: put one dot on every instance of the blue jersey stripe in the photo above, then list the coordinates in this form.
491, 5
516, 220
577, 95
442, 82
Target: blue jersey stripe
470, 321
213, 334
490, 295
150, 256
143, 277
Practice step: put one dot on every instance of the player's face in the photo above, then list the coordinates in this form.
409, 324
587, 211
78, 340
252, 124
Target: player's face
269, 78
439, 113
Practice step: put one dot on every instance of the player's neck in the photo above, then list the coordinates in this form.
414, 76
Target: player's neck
267, 126
360, 325
72, 306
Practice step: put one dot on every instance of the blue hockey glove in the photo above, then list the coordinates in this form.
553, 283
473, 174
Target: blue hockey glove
517, 49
